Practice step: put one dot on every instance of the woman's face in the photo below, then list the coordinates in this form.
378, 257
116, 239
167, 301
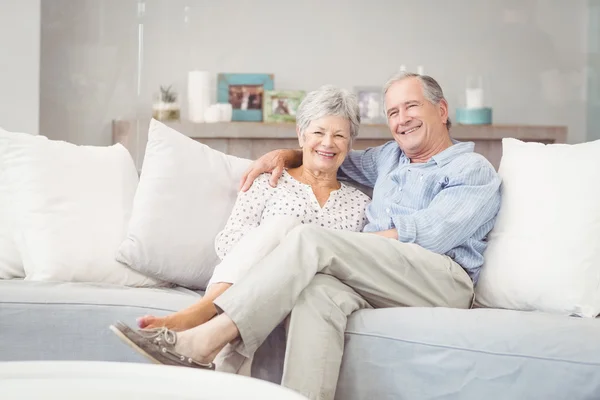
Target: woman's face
325, 143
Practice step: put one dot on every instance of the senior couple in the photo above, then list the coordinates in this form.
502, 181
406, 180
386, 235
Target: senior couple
302, 245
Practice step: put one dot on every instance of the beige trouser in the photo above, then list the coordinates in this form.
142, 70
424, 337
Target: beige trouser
252, 248
321, 276
246, 253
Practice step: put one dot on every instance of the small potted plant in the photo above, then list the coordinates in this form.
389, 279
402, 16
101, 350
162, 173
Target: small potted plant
166, 107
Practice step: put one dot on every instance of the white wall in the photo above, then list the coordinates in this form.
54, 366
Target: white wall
20, 65
533, 53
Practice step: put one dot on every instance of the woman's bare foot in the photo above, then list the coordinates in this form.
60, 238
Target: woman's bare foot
181, 320
196, 314
204, 342
150, 321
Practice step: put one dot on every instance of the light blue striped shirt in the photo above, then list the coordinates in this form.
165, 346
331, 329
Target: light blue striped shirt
447, 205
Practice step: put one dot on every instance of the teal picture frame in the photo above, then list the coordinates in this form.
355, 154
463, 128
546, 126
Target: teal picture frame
245, 93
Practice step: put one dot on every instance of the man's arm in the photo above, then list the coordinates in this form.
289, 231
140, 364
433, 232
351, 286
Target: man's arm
274, 161
360, 166
469, 201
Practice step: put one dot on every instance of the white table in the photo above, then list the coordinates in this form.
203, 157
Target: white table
88, 380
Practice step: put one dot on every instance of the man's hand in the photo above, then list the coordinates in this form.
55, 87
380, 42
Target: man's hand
274, 161
390, 233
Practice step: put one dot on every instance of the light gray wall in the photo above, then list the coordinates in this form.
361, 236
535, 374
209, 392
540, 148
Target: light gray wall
20, 65
533, 53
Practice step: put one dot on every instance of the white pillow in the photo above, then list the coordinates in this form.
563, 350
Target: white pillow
71, 206
186, 193
544, 251
11, 264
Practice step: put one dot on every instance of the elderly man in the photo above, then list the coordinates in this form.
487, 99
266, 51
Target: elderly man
434, 202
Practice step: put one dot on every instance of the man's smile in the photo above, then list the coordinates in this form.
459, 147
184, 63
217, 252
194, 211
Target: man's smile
409, 130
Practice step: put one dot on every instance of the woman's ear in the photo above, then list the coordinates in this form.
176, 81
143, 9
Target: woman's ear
300, 137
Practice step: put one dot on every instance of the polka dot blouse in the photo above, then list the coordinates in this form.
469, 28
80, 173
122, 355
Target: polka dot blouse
344, 210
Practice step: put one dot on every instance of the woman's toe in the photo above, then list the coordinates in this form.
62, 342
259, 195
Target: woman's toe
145, 321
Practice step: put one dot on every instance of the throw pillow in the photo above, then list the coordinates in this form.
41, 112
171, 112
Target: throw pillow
544, 251
71, 205
186, 193
11, 264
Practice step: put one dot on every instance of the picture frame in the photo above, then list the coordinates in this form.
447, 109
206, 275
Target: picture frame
281, 105
370, 104
245, 93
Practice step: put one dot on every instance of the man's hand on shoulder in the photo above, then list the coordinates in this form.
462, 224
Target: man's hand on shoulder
274, 161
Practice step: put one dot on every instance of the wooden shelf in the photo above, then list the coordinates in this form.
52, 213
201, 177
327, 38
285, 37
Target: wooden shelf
260, 130
252, 139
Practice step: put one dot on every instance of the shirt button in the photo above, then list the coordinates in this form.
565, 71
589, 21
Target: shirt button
387, 210
399, 189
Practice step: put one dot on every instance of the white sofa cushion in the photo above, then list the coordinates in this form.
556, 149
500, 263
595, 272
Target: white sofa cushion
11, 264
71, 205
544, 251
186, 193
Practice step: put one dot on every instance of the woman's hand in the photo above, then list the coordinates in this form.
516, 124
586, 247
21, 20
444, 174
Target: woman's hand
274, 161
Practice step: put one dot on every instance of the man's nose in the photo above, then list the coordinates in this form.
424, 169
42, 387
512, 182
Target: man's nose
403, 118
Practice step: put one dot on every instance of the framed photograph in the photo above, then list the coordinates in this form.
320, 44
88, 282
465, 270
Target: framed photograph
281, 106
245, 93
370, 104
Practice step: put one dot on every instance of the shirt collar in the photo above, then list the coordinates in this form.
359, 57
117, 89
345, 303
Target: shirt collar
453, 151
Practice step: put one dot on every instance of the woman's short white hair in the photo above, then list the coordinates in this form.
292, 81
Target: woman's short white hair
329, 101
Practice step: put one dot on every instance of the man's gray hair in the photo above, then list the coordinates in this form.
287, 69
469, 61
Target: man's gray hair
328, 101
431, 89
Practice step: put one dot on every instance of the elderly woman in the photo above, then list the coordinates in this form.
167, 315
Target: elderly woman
327, 122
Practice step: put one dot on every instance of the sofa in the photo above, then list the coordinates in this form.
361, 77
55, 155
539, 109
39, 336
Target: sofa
397, 353
510, 345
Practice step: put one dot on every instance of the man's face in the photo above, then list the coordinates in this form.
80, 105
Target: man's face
415, 123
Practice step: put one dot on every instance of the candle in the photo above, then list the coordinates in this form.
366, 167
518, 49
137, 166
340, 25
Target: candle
474, 98
198, 94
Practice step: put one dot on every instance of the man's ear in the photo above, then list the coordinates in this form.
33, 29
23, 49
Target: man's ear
443, 110
300, 137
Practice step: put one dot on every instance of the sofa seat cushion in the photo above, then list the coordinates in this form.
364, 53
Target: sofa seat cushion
440, 353
69, 321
